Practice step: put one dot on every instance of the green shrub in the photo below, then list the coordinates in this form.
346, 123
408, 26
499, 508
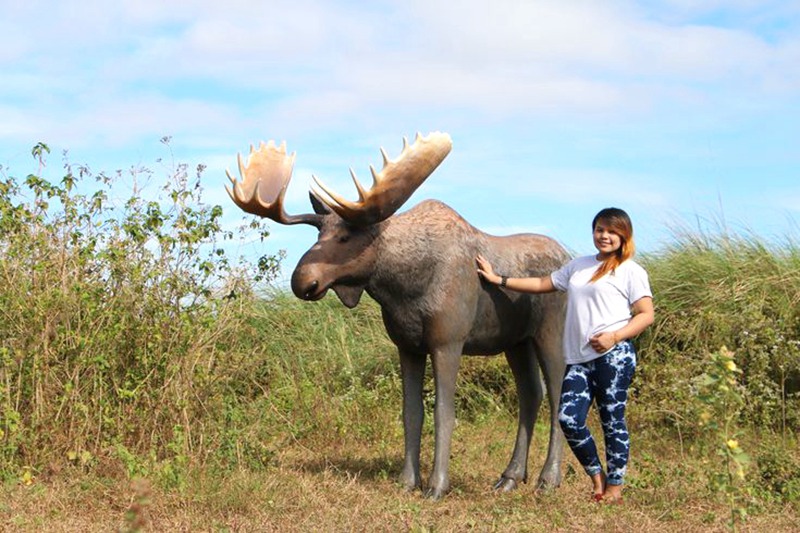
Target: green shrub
117, 317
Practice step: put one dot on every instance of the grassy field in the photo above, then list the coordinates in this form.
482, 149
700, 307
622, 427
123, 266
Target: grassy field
330, 455
149, 383
346, 484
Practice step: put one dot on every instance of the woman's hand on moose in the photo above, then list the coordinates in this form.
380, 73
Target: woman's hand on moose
485, 270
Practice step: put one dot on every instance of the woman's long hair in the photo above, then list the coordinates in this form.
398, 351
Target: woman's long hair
619, 222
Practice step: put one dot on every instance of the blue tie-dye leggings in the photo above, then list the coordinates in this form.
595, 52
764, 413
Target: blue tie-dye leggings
606, 380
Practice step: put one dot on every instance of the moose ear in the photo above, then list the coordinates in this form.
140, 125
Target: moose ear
319, 207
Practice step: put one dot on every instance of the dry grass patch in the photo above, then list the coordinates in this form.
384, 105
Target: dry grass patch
348, 486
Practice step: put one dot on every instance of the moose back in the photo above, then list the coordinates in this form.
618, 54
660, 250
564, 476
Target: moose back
420, 267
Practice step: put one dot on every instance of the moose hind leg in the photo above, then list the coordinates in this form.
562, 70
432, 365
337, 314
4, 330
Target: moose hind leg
552, 363
412, 370
529, 393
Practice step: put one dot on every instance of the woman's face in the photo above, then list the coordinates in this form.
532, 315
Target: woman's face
606, 240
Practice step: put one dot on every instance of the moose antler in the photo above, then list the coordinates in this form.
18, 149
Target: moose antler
264, 181
395, 183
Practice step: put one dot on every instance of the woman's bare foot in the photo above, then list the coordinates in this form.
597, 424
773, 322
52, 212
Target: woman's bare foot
613, 494
598, 486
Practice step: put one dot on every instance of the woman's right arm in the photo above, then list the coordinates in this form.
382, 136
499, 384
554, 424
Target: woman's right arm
531, 285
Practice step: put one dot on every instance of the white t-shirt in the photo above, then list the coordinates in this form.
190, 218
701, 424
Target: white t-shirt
593, 308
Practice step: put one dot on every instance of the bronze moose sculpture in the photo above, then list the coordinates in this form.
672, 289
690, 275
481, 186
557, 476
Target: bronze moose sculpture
420, 267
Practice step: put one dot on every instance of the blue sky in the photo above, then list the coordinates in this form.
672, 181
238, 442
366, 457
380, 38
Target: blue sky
678, 111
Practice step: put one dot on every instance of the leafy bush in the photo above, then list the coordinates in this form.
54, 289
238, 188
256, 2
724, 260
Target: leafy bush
719, 395
116, 317
778, 474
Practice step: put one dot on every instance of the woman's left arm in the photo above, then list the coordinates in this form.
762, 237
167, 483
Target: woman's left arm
643, 316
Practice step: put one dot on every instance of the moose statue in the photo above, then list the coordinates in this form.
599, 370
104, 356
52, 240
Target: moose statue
420, 267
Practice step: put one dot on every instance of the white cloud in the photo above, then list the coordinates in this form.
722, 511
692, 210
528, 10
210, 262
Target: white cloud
327, 65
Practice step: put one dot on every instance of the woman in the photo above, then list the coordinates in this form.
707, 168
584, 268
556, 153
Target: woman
602, 290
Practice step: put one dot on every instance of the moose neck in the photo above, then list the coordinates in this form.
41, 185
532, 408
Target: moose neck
411, 254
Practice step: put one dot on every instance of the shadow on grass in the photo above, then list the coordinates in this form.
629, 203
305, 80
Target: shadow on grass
369, 468
383, 469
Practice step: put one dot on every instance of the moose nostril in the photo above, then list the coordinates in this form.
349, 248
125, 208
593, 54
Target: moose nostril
312, 289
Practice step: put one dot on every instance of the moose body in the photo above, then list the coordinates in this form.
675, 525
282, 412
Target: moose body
420, 267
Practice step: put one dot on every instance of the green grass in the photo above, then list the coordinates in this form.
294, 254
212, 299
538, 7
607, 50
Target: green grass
316, 443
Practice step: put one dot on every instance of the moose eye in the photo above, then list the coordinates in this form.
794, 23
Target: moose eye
344, 238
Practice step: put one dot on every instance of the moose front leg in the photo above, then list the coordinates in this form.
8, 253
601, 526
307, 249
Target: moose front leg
445, 368
412, 370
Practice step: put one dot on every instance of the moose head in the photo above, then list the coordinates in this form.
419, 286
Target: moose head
343, 257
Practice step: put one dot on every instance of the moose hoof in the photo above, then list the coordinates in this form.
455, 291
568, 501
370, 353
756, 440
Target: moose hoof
505, 484
410, 487
409, 481
546, 484
435, 494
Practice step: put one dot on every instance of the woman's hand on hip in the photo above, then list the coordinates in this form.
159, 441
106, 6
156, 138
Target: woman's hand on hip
603, 342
